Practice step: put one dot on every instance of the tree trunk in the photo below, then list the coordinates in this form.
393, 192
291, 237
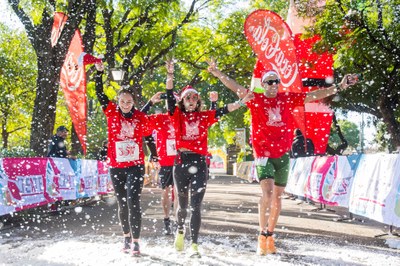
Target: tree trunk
76, 147
4, 134
44, 113
387, 111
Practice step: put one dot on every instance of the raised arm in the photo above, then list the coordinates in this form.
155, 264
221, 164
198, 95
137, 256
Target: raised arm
170, 85
227, 81
101, 96
234, 106
156, 98
347, 81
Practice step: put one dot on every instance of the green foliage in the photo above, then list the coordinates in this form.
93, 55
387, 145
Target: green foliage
16, 152
364, 35
17, 82
350, 132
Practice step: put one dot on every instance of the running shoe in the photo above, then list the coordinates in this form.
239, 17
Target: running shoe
194, 251
262, 245
179, 242
167, 226
136, 249
126, 248
271, 245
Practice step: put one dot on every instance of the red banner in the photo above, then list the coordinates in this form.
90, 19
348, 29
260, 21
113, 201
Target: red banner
73, 79
272, 41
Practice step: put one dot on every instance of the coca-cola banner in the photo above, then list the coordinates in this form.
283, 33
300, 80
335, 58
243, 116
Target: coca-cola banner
73, 79
272, 41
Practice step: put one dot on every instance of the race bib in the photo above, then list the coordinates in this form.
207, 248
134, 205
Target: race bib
126, 151
261, 161
171, 147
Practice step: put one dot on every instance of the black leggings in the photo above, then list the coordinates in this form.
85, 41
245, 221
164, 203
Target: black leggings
128, 184
190, 171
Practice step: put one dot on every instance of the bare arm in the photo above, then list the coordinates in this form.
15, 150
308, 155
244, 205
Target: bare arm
227, 81
347, 81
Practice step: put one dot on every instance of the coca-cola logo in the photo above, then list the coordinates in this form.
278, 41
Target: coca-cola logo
271, 39
72, 74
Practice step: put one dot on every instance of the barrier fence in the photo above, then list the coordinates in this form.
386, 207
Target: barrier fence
32, 182
367, 184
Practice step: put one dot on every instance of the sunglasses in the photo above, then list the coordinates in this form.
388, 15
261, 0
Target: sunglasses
272, 81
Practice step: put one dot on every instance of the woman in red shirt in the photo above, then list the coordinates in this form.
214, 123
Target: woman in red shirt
126, 127
190, 168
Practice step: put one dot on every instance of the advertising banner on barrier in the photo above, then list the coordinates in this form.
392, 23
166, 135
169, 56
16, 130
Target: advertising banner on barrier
104, 185
26, 182
323, 171
300, 170
61, 174
336, 191
8, 193
88, 178
376, 188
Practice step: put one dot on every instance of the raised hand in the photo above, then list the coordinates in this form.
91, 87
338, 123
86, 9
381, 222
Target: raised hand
213, 96
156, 98
212, 65
348, 80
99, 66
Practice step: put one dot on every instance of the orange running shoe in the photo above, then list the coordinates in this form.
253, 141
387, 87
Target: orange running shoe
270, 245
262, 245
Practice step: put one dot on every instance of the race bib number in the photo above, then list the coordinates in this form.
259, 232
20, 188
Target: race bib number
127, 151
261, 161
171, 147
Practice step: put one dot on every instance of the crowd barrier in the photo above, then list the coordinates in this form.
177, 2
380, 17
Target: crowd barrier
367, 184
32, 182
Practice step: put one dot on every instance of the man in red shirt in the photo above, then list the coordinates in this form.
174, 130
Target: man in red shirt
272, 130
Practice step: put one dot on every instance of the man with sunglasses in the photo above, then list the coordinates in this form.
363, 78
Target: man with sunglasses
272, 130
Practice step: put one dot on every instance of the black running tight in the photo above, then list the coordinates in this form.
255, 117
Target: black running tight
128, 184
190, 172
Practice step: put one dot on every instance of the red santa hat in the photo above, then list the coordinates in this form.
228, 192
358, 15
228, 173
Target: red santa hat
88, 59
186, 90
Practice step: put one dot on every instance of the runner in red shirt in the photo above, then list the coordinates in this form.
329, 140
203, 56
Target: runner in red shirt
272, 130
164, 136
190, 169
126, 128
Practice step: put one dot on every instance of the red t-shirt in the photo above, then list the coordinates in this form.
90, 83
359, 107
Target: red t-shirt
164, 136
191, 129
272, 123
125, 137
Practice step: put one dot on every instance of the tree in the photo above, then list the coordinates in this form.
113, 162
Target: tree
364, 35
17, 78
37, 18
349, 131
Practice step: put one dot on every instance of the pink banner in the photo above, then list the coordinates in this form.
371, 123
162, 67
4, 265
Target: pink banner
322, 175
26, 182
104, 181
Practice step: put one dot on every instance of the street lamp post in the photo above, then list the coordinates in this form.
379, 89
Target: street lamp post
117, 74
